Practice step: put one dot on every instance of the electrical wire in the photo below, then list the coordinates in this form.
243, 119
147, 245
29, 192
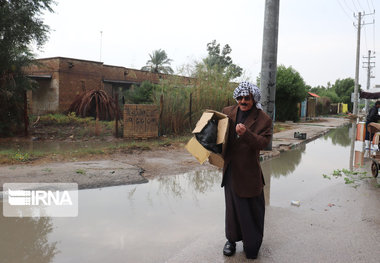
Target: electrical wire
374, 34
365, 38
355, 6
344, 10
369, 7
360, 5
353, 11
373, 6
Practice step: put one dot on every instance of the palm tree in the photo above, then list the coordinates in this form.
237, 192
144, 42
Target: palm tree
158, 63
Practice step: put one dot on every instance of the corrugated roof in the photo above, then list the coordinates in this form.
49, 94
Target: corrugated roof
313, 94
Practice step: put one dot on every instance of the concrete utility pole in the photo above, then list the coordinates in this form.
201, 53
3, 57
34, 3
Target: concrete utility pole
356, 89
355, 109
269, 59
369, 67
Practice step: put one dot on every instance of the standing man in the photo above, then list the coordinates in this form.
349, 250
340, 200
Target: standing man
373, 116
249, 132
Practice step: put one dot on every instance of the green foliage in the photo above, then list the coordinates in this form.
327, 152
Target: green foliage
218, 62
350, 177
158, 63
324, 92
326, 176
209, 92
80, 171
343, 88
339, 92
20, 26
290, 90
22, 157
61, 119
141, 94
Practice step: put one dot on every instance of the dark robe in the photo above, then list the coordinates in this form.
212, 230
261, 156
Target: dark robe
245, 206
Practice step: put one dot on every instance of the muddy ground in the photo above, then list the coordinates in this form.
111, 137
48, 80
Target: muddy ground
138, 166
115, 169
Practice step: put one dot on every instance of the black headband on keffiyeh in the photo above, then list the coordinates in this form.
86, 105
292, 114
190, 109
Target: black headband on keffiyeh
245, 88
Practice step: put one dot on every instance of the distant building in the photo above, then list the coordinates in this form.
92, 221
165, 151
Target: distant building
307, 107
61, 79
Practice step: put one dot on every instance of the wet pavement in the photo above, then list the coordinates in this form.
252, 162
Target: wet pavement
181, 218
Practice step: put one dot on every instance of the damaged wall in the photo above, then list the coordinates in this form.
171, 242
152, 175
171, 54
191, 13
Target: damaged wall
70, 77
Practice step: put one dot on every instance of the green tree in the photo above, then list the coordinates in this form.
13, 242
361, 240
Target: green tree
219, 61
343, 88
20, 26
290, 90
326, 92
141, 94
158, 63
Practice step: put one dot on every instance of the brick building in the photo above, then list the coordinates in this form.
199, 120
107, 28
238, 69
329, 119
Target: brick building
61, 79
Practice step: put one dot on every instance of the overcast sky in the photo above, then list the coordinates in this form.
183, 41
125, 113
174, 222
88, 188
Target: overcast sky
316, 37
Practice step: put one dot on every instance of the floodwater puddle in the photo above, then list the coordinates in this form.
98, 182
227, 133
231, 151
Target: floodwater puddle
152, 221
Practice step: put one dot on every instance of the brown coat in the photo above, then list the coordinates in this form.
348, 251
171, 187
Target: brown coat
243, 153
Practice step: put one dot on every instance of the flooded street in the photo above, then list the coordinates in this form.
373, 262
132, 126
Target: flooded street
298, 174
181, 218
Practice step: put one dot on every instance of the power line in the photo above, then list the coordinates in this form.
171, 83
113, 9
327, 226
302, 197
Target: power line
373, 6
353, 11
361, 5
368, 65
365, 39
374, 38
354, 5
344, 10
369, 7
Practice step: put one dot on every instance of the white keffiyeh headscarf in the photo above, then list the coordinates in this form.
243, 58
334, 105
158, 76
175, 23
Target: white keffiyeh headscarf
245, 88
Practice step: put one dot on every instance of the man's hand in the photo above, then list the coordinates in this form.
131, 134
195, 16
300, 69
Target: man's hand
240, 129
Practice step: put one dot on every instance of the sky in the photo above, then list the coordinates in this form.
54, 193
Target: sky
316, 37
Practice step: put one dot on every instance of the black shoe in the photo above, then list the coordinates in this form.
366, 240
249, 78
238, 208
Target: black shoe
229, 248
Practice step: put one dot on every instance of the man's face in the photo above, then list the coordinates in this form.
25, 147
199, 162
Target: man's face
245, 102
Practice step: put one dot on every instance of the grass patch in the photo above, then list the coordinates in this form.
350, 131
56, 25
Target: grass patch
125, 146
17, 156
80, 171
279, 127
61, 119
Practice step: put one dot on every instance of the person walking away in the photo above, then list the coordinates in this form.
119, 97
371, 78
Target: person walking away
249, 132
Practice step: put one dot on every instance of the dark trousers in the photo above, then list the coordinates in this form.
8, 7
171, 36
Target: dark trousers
244, 219
366, 131
368, 136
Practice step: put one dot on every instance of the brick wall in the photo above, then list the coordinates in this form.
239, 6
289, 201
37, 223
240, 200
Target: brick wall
70, 77
45, 99
75, 77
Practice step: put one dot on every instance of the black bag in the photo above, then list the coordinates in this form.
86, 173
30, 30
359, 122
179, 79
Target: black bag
207, 136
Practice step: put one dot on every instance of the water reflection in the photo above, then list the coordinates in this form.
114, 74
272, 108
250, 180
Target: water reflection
287, 175
198, 182
26, 240
152, 222
285, 164
339, 135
